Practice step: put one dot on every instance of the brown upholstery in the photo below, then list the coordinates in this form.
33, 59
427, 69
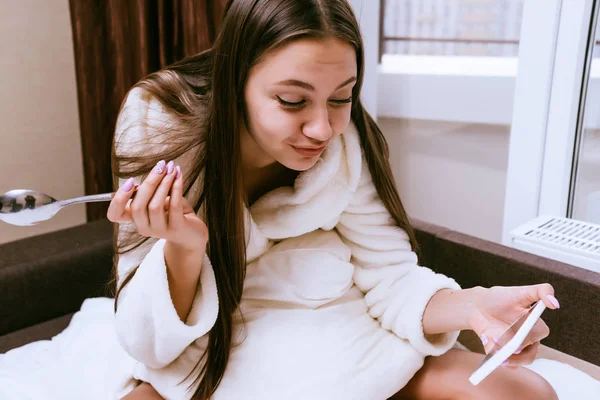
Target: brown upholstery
46, 278
45, 330
476, 262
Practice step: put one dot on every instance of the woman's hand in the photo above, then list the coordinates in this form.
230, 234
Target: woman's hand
495, 309
159, 209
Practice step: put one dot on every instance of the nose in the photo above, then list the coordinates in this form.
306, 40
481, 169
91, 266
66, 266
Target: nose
319, 127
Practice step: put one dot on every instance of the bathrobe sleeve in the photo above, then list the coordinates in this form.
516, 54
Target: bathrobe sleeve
147, 323
397, 290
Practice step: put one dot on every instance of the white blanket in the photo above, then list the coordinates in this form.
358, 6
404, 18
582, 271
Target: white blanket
85, 361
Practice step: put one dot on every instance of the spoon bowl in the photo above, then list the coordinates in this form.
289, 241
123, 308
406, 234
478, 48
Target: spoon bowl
24, 207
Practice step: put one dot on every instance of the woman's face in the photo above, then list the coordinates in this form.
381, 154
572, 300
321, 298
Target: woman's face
298, 98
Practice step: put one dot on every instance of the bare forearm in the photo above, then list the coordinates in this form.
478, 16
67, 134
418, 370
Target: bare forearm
183, 273
449, 311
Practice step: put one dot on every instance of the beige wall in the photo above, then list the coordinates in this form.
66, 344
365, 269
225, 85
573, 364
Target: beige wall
451, 174
39, 140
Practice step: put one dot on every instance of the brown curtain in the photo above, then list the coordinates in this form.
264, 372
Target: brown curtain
118, 42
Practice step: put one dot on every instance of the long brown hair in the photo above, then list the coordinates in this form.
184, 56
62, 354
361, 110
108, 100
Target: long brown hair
206, 94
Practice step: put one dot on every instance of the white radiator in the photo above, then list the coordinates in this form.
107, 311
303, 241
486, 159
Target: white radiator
562, 239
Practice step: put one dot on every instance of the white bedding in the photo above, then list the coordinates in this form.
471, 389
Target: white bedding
85, 361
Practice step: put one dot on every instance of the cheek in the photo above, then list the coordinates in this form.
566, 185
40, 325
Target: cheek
340, 119
271, 125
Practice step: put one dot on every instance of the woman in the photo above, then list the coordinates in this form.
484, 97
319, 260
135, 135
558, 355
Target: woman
271, 257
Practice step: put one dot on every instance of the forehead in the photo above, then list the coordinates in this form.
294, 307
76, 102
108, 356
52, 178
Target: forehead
308, 60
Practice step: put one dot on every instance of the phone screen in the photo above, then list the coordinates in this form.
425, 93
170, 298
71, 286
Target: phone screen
511, 331
507, 336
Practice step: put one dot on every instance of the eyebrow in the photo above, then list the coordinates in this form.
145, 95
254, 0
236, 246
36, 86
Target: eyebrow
308, 86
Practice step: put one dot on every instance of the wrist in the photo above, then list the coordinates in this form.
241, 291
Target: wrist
451, 310
183, 263
471, 301
454, 308
185, 249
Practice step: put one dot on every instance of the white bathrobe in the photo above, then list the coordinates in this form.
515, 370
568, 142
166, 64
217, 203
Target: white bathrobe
333, 298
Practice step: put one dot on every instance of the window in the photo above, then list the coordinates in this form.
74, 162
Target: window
451, 27
445, 106
584, 191
491, 112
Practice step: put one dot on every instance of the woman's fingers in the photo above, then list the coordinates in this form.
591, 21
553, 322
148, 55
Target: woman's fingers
526, 356
187, 206
156, 206
176, 201
528, 350
118, 210
539, 332
139, 205
488, 342
544, 292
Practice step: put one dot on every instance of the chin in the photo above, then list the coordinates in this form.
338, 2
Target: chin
300, 164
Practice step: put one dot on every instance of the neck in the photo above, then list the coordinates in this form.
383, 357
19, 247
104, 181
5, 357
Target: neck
261, 180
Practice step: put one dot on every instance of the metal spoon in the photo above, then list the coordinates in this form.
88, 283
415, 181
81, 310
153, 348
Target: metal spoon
30, 207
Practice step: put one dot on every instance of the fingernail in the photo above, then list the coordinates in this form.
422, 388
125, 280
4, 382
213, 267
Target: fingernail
170, 167
484, 339
160, 167
127, 185
496, 340
505, 363
178, 169
553, 301
519, 350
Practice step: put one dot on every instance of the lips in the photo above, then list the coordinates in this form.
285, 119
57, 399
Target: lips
309, 151
310, 148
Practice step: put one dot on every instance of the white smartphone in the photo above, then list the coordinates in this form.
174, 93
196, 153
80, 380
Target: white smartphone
508, 342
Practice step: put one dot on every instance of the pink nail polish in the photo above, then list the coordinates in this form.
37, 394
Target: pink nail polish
160, 167
178, 169
484, 339
519, 350
127, 185
505, 363
554, 301
170, 167
496, 340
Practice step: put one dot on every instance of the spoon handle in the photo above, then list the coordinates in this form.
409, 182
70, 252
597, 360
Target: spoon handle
87, 199
94, 198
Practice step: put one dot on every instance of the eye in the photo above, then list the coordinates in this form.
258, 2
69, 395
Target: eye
342, 101
290, 104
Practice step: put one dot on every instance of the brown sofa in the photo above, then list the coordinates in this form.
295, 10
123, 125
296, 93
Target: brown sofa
44, 280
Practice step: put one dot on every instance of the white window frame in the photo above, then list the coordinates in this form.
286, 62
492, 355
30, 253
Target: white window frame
367, 14
486, 90
548, 95
538, 94
564, 117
